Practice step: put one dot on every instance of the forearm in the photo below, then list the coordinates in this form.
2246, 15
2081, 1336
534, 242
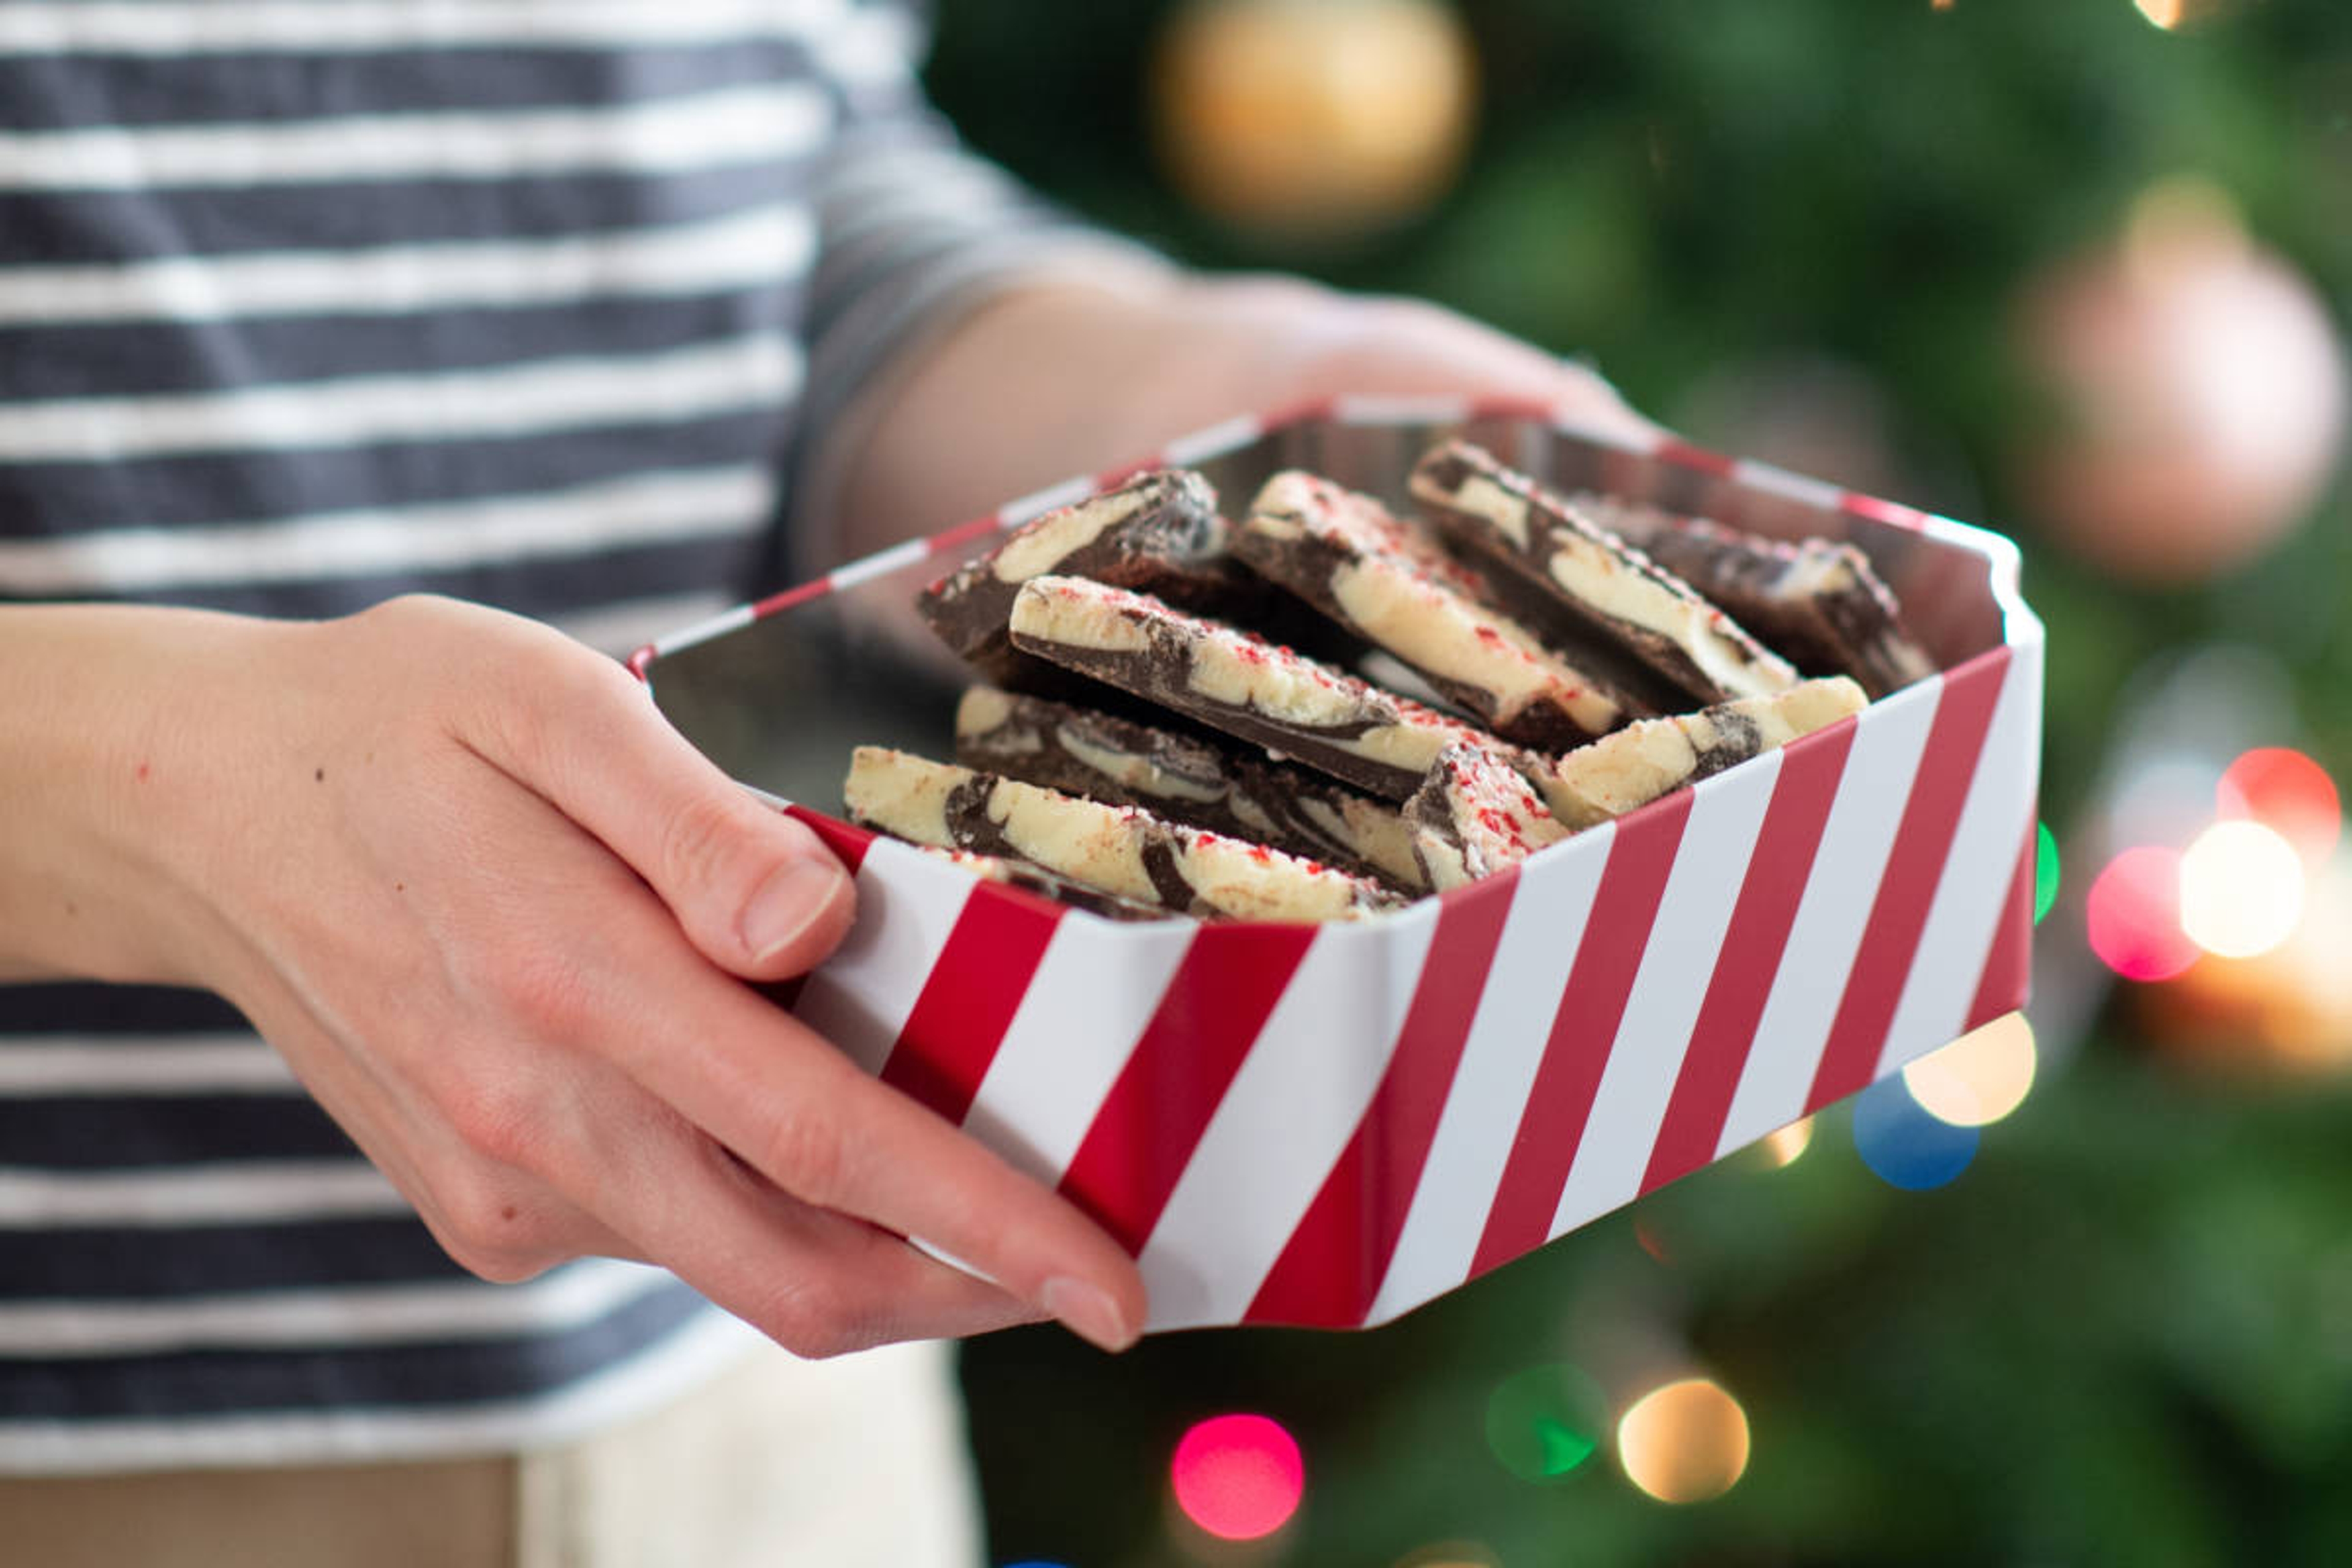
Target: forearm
102, 709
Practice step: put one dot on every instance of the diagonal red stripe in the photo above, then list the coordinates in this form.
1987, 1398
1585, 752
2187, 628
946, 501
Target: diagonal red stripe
1623, 908
1150, 1122
2008, 976
1915, 867
1786, 846
1331, 1270
969, 998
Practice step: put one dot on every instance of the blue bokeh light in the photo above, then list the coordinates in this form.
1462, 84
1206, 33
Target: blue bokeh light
1905, 1146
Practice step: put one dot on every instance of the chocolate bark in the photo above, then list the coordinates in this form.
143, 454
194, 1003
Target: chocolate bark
1474, 816
1160, 531
1506, 517
1657, 756
1231, 680
1185, 778
1818, 601
1391, 585
1045, 884
1119, 849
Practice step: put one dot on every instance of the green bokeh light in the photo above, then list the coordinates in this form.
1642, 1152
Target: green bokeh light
2045, 870
1543, 1422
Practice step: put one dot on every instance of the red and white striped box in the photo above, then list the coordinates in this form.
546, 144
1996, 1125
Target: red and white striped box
1328, 1125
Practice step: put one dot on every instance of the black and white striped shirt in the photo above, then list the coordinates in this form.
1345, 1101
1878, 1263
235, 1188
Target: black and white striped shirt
306, 302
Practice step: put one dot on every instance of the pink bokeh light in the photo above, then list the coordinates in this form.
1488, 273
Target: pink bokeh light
1238, 1477
2132, 916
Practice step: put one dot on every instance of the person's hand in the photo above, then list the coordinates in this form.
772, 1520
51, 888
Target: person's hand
1102, 360
498, 915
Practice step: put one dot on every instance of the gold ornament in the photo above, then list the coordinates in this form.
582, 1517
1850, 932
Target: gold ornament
1314, 119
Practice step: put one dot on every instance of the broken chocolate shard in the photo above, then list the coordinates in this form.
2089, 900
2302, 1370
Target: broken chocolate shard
1657, 756
1158, 531
1506, 517
1121, 850
1045, 884
1391, 583
1236, 682
1475, 815
1185, 778
1818, 601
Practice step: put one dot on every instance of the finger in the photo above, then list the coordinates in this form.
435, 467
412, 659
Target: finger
756, 892
815, 1282
763, 1085
1410, 347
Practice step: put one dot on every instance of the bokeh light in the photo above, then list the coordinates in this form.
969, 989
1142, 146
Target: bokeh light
1782, 1146
1238, 1477
2045, 870
2132, 916
1978, 1078
1542, 1422
2287, 792
2240, 889
1687, 1442
1903, 1144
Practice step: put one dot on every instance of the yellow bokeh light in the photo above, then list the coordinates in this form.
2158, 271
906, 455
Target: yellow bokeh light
2163, 13
1978, 1078
1782, 1146
2242, 889
1687, 1442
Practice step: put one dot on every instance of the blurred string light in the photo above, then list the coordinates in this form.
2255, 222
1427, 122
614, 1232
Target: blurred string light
2045, 870
1543, 1422
2240, 889
1904, 1145
1978, 1078
1238, 1477
2132, 915
1450, 1555
1687, 1442
1782, 1145
2289, 792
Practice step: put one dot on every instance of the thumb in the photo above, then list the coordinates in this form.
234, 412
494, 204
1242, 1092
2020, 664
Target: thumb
758, 893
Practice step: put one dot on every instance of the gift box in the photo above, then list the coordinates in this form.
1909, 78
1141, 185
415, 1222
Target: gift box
1328, 1125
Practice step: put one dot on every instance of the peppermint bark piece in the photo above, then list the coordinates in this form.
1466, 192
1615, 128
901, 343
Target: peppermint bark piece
1234, 681
1475, 815
1117, 849
1158, 531
1394, 586
1185, 778
1818, 601
1657, 756
1045, 884
1607, 586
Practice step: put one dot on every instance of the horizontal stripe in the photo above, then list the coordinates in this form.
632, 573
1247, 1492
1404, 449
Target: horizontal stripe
119, 1134
763, 247
91, 1010
288, 26
225, 1194
638, 509
736, 125
225, 1381
562, 1299
217, 489
543, 588
700, 1348
143, 1064
547, 394
138, 1263
106, 228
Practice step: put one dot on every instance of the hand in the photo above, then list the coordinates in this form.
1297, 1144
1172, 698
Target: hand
494, 911
1102, 360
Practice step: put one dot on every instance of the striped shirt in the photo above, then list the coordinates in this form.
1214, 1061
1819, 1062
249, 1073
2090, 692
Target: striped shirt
304, 303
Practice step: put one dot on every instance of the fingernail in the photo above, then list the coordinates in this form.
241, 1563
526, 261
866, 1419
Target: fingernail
788, 902
1087, 1311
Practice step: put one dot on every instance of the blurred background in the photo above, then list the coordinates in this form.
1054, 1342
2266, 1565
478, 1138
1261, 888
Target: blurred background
2080, 1288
